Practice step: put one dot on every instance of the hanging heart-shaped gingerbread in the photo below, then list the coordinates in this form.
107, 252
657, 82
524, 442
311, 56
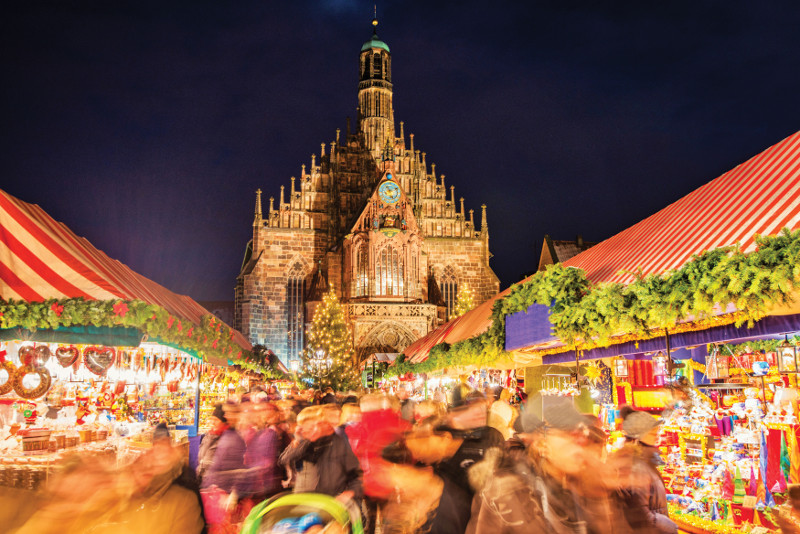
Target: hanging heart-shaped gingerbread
42, 354
67, 355
99, 360
27, 354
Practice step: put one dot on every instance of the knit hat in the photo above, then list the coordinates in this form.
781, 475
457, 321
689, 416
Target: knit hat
638, 423
219, 413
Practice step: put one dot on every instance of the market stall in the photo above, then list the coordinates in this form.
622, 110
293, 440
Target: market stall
92, 353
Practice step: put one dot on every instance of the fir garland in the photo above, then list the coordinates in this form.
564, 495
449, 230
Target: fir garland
585, 316
209, 338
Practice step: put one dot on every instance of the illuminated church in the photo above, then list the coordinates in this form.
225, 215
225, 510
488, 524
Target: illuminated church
370, 217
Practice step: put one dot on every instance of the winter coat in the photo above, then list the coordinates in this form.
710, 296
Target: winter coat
261, 458
642, 489
513, 496
376, 430
331, 460
227, 468
205, 456
475, 443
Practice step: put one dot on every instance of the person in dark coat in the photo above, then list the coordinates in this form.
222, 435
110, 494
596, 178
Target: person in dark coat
227, 467
208, 445
467, 422
323, 460
640, 483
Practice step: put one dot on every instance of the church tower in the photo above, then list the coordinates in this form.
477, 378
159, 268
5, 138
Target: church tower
375, 110
370, 216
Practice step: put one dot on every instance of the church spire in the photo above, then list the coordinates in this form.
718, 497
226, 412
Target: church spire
258, 217
376, 114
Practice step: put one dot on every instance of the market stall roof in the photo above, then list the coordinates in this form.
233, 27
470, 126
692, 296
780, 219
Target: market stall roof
40, 259
760, 196
471, 324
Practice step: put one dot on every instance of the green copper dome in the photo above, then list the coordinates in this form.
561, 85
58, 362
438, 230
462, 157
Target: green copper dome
375, 43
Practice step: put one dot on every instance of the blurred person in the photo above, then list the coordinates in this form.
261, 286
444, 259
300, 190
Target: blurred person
379, 425
323, 460
261, 455
423, 500
407, 404
351, 414
467, 422
640, 484
88, 496
208, 445
226, 469
501, 414
429, 409
329, 397
273, 394
787, 514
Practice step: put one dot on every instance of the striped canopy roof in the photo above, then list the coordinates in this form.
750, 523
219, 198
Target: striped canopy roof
760, 196
40, 259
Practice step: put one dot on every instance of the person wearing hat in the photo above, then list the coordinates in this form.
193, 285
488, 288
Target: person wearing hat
467, 422
637, 477
210, 441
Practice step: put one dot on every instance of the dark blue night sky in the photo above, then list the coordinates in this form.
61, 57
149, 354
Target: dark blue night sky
146, 127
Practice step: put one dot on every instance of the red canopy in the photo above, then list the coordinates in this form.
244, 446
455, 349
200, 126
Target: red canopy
760, 196
41, 258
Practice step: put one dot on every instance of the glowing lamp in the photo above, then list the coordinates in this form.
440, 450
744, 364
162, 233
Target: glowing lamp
787, 357
621, 367
717, 365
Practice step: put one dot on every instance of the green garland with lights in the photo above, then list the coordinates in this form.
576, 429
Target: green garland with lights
209, 338
586, 315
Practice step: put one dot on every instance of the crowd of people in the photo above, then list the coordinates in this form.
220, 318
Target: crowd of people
470, 465
475, 464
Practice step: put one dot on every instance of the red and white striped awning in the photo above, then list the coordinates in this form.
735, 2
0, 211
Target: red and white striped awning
40, 258
760, 196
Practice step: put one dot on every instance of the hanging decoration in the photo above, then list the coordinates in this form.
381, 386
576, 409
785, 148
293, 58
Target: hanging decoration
99, 360
31, 392
66, 356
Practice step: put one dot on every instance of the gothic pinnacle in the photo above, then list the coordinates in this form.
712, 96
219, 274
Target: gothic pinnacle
257, 220
462, 207
271, 205
322, 150
484, 223
281, 202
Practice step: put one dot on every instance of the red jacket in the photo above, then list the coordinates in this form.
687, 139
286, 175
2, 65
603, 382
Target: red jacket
376, 430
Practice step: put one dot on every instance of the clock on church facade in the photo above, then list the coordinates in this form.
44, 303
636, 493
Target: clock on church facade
373, 219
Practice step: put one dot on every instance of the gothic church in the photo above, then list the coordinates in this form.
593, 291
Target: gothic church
371, 218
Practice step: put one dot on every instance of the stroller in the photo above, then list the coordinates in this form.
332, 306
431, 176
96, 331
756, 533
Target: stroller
301, 513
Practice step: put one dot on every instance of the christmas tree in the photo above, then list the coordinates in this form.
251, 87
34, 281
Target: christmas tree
465, 301
328, 359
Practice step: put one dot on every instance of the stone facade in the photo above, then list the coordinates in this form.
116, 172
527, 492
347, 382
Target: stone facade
373, 219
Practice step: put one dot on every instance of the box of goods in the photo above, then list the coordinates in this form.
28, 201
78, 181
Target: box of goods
102, 435
71, 441
85, 435
61, 441
35, 440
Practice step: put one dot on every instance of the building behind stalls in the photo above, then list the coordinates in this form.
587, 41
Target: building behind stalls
369, 216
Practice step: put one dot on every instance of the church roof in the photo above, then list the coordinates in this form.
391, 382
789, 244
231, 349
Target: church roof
374, 43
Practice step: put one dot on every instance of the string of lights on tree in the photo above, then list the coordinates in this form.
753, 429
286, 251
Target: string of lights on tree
329, 359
